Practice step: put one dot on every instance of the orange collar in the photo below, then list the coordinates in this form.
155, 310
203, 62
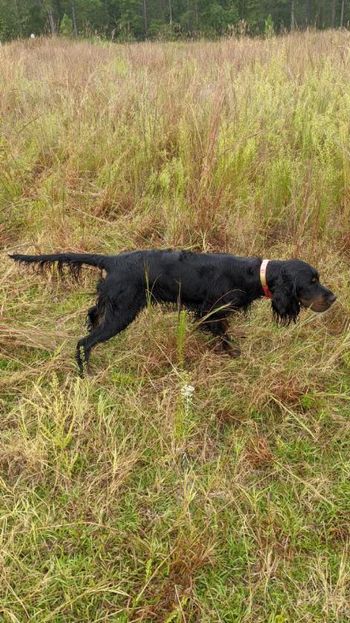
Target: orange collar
263, 279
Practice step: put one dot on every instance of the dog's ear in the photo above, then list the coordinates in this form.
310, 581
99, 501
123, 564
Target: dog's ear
285, 305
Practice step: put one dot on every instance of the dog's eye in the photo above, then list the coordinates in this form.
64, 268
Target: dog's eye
314, 280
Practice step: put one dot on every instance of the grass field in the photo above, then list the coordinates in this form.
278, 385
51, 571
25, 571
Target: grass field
121, 499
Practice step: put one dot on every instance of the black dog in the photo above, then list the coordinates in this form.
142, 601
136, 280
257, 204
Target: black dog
212, 285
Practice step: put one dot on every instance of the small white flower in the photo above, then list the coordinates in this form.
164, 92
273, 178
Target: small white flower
187, 391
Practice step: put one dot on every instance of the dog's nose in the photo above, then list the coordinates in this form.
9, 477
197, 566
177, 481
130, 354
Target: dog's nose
332, 298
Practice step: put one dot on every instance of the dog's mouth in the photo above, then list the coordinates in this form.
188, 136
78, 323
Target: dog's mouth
320, 304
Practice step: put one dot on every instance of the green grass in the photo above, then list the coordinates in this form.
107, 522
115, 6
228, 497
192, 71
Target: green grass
125, 496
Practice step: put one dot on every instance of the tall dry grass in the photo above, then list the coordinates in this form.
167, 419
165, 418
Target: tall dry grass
125, 497
241, 144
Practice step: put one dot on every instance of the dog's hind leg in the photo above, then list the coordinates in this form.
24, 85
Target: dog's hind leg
92, 318
114, 321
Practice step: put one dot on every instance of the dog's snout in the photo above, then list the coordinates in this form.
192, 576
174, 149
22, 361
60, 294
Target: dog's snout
332, 298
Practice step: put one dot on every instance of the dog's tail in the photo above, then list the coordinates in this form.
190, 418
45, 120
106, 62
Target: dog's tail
74, 261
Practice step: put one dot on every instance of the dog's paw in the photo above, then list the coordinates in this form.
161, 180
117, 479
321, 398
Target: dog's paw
232, 350
226, 347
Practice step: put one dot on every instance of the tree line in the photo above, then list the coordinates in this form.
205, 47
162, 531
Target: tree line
167, 19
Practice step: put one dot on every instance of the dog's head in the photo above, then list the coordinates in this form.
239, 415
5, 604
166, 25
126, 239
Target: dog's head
297, 285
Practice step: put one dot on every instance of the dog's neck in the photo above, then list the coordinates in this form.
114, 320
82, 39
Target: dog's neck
269, 272
263, 279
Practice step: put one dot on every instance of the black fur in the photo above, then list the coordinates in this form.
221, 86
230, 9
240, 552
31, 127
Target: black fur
212, 285
285, 302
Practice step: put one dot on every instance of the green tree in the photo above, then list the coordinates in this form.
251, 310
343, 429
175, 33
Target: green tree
139, 19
